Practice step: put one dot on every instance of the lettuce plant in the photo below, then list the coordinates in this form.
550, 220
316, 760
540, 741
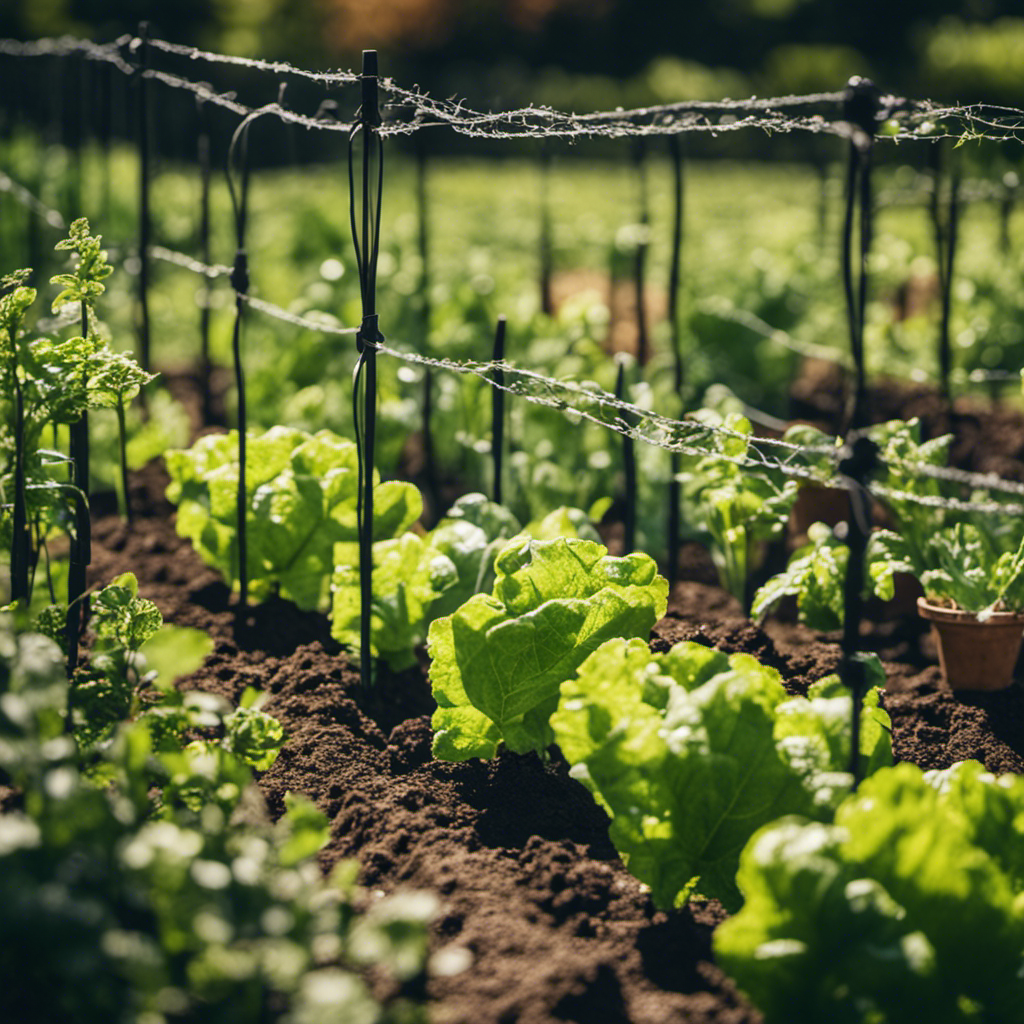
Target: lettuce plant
417, 579
498, 661
691, 751
907, 908
737, 507
960, 566
301, 492
814, 576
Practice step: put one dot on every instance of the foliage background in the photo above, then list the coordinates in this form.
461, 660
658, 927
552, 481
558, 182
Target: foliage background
586, 53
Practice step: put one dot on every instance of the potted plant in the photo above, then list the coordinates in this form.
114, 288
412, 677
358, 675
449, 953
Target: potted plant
973, 597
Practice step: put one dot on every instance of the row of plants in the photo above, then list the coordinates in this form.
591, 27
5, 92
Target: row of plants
135, 845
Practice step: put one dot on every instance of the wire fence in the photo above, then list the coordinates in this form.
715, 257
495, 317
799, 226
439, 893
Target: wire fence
406, 111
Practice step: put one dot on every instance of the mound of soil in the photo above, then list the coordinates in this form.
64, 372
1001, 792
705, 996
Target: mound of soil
543, 922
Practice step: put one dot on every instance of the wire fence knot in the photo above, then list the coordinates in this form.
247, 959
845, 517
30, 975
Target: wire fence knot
240, 272
369, 333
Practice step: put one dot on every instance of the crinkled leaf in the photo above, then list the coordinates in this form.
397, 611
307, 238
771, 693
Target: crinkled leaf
498, 661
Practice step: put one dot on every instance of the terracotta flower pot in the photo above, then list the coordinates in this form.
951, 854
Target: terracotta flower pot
817, 504
975, 655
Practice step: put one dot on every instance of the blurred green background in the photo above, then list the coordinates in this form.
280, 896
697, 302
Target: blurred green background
587, 54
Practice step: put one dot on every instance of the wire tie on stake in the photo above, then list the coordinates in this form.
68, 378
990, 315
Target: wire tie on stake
366, 239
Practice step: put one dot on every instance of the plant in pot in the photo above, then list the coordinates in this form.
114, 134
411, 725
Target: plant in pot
973, 597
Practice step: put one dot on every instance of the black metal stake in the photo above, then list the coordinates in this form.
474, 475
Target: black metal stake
81, 544
861, 106
629, 470
366, 239
240, 283
203, 157
498, 408
547, 301
675, 333
20, 537
859, 459
423, 211
640, 256
945, 255
142, 56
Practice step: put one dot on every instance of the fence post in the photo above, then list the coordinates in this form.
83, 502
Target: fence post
675, 333
628, 466
366, 239
498, 408
640, 257
141, 48
240, 283
859, 459
423, 240
860, 109
203, 158
945, 254
547, 301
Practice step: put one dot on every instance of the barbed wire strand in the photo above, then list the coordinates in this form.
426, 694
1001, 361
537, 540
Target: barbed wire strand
906, 118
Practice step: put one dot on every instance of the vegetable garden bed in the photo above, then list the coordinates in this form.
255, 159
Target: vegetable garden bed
542, 921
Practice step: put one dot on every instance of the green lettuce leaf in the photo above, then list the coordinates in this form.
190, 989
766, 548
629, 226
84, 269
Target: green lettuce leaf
909, 908
409, 576
498, 661
691, 751
301, 493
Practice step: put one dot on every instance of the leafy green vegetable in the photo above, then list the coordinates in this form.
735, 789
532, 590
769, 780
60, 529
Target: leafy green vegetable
691, 751
960, 565
409, 575
301, 491
908, 908
419, 579
498, 661
815, 576
737, 506
115, 906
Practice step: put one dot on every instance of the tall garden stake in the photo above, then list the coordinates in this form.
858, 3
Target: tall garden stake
547, 300
856, 465
423, 210
640, 256
203, 157
81, 544
240, 283
860, 109
628, 468
945, 235
364, 212
141, 49
675, 333
498, 408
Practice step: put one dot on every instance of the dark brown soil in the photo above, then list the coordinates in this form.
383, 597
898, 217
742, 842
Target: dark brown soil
517, 852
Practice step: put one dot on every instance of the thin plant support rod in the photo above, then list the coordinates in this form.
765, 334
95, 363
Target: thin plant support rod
81, 545
640, 255
547, 300
21, 550
203, 157
945, 235
675, 334
364, 212
423, 239
629, 470
861, 109
141, 48
498, 409
240, 284
859, 460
